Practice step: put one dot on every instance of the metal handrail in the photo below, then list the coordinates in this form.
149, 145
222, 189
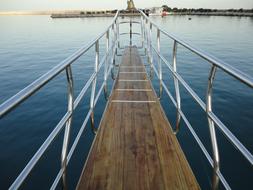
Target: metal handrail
18, 98
131, 33
211, 115
66, 120
108, 61
127, 22
213, 120
241, 76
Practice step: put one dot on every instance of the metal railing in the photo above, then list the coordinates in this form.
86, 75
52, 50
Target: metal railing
213, 120
131, 33
108, 60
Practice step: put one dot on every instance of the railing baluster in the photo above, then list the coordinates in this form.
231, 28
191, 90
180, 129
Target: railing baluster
106, 64
93, 90
150, 50
149, 39
176, 84
150, 42
115, 51
146, 36
114, 30
131, 35
216, 159
68, 125
117, 36
142, 33
159, 62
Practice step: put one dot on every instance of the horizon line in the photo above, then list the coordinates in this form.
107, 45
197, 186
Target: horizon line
51, 11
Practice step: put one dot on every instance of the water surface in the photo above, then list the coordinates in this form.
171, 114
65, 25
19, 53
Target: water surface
31, 45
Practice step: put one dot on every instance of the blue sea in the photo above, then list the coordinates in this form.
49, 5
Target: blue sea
32, 45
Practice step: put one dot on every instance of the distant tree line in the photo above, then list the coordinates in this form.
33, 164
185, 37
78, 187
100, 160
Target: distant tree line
175, 9
98, 12
169, 9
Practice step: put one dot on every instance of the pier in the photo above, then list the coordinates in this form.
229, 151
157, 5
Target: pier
135, 146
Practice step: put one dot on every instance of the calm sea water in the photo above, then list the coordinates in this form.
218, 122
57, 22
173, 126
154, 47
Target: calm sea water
31, 45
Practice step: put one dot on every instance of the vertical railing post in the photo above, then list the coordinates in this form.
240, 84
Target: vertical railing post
159, 61
68, 125
146, 37
106, 64
131, 35
150, 41
216, 158
114, 28
150, 50
114, 31
176, 84
93, 90
142, 32
114, 41
117, 36
107, 50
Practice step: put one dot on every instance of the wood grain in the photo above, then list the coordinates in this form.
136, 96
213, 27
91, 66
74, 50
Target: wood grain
135, 147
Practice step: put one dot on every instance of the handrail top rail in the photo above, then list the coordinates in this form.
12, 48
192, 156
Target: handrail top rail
22, 95
131, 21
241, 76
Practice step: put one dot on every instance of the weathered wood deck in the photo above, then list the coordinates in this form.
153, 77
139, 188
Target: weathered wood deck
135, 147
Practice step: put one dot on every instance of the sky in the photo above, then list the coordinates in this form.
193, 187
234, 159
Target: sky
18, 5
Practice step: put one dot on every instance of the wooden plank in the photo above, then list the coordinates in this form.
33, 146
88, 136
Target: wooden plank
135, 147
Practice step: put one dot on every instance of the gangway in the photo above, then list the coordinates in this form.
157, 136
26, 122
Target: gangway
135, 146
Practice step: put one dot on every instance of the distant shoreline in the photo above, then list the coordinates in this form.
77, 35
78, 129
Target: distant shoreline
235, 14
165, 10
110, 13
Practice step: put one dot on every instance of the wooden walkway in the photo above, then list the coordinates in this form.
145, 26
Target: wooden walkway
135, 147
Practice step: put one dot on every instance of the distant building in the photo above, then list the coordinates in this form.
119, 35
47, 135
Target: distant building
130, 5
156, 11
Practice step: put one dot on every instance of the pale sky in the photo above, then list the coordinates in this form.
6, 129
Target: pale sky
14, 5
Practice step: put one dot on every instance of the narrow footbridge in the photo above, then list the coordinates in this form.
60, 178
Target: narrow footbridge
135, 146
